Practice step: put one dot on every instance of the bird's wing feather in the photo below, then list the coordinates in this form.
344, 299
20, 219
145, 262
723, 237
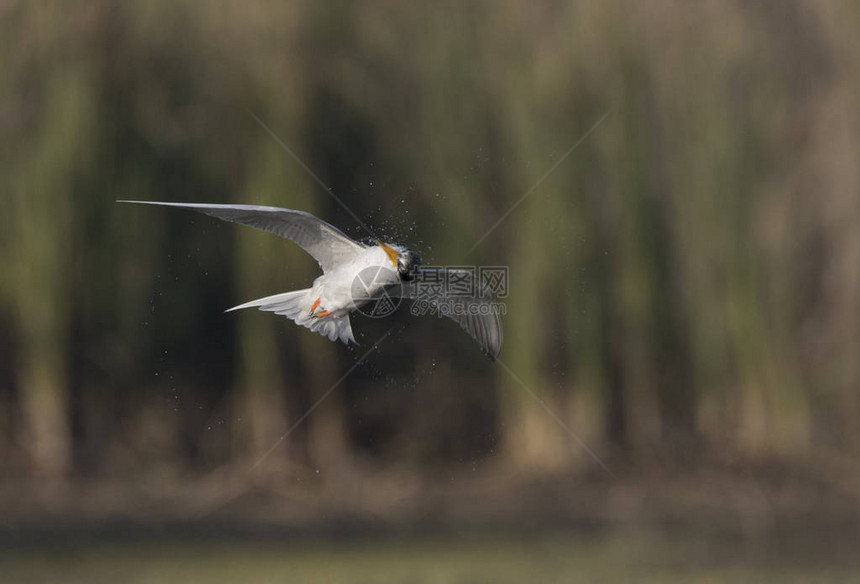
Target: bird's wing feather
327, 244
475, 310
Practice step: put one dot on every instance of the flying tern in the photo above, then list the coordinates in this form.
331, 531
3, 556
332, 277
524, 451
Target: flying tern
356, 274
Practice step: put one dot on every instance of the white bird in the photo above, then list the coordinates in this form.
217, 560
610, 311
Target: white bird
381, 270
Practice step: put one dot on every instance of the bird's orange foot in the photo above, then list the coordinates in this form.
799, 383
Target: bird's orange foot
315, 306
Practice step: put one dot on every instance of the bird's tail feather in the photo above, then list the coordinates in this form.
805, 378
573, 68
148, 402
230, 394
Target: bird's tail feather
297, 307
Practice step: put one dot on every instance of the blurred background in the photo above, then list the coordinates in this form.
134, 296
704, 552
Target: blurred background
679, 192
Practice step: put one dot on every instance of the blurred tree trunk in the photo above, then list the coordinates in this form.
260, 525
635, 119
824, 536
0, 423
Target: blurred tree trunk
327, 442
670, 343
532, 437
43, 393
611, 362
259, 396
41, 220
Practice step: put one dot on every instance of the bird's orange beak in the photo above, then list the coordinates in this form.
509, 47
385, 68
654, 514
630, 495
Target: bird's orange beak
391, 253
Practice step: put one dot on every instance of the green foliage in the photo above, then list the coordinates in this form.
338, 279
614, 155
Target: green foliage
687, 276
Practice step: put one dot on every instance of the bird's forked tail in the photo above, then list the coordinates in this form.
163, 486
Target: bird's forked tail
297, 307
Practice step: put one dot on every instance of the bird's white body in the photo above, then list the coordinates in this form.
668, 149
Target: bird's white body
337, 288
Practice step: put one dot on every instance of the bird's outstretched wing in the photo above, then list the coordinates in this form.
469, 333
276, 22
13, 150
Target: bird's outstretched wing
327, 244
460, 296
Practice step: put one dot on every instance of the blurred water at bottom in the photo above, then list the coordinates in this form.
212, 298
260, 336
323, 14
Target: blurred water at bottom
622, 557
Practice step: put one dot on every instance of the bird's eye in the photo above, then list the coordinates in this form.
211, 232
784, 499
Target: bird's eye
407, 264
404, 271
